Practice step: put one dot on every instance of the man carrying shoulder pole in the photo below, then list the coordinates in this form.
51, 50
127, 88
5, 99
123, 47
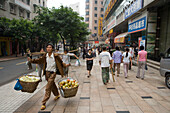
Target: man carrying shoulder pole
51, 62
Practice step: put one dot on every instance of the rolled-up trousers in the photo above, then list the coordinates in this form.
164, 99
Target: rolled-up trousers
50, 87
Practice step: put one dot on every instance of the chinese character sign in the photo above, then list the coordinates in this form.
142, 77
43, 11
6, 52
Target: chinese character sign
133, 8
138, 25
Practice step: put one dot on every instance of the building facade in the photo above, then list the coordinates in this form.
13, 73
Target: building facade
138, 22
94, 11
16, 9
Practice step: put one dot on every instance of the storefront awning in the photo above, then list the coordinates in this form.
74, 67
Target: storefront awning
120, 38
107, 41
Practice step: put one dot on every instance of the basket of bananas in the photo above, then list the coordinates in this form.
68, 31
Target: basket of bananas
68, 87
29, 83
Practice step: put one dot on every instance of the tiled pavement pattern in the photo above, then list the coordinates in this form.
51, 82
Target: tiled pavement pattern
128, 95
10, 99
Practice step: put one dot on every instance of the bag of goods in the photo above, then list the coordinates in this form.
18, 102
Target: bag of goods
29, 83
68, 87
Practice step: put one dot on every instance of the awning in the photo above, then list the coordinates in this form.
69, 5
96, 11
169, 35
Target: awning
107, 41
120, 38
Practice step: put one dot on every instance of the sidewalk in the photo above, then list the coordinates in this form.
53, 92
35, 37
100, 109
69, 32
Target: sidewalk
123, 96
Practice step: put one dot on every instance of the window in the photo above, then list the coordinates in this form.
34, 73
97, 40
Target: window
22, 0
95, 28
43, 4
34, 5
95, 34
95, 8
101, 15
87, 1
28, 2
95, 21
2, 4
167, 54
39, 1
95, 15
87, 19
28, 15
87, 6
87, 12
12, 9
96, 2
102, 2
102, 9
21, 13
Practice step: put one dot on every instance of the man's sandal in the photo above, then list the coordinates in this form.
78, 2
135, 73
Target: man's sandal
57, 97
43, 107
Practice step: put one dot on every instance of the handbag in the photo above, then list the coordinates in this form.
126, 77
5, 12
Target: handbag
18, 86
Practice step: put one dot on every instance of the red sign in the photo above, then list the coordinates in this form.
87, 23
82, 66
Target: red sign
96, 42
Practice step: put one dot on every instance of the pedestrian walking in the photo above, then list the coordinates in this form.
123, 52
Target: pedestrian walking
105, 61
29, 56
66, 60
89, 62
84, 53
127, 58
141, 62
40, 66
117, 56
51, 62
131, 51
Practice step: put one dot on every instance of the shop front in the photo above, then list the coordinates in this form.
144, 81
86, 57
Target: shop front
137, 30
5, 46
119, 40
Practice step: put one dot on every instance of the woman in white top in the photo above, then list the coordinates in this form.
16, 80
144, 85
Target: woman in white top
126, 59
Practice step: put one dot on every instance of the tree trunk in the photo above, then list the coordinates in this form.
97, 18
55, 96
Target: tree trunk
63, 41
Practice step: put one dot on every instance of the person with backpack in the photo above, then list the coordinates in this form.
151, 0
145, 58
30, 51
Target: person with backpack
127, 58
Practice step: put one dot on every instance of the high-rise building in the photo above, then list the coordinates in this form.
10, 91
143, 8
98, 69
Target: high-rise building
93, 13
75, 7
20, 8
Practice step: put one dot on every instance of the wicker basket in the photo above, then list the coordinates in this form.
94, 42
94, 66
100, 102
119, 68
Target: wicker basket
29, 87
70, 92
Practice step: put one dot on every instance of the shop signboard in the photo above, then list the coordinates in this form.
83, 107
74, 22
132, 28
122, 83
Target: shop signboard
133, 8
111, 24
141, 41
96, 42
137, 25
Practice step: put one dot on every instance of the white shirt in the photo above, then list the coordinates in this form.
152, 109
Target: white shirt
126, 59
105, 58
66, 58
51, 65
131, 51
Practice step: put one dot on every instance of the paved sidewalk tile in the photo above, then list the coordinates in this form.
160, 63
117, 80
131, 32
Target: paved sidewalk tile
122, 96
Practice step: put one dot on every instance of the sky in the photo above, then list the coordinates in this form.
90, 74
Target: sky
58, 3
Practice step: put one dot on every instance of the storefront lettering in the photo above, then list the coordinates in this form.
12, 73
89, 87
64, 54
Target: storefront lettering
133, 8
137, 25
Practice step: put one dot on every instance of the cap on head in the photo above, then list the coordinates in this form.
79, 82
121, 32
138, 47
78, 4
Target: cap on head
50, 45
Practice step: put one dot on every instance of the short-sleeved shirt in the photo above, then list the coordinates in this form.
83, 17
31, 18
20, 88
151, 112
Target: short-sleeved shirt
89, 56
126, 59
142, 55
117, 56
105, 58
66, 58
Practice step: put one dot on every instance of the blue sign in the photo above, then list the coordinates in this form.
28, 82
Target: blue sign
133, 8
138, 25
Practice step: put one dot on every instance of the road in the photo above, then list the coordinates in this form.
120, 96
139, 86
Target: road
10, 70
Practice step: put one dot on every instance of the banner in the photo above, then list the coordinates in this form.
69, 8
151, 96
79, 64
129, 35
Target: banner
133, 8
138, 25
